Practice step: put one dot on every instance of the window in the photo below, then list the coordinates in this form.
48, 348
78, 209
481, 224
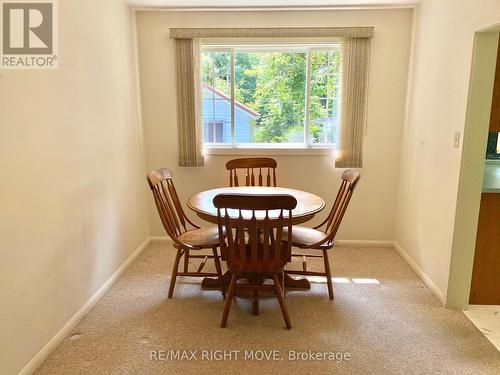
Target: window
214, 132
272, 95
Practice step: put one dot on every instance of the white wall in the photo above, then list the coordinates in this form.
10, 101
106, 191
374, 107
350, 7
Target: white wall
372, 211
73, 195
430, 165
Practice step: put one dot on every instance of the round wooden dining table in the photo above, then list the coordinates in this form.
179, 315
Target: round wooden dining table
308, 205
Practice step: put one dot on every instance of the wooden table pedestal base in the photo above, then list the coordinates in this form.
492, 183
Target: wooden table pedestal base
290, 283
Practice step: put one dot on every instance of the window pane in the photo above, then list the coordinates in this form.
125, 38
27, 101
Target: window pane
324, 97
209, 132
269, 97
219, 132
216, 96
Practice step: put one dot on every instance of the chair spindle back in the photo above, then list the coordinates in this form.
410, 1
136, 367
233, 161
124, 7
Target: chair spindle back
167, 202
258, 171
250, 240
350, 179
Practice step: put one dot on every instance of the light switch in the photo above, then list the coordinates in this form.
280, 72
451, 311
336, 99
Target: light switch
456, 140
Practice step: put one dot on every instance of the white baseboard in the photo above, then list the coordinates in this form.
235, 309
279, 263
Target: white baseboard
159, 239
363, 243
481, 307
75, 319
341, 243
421, 274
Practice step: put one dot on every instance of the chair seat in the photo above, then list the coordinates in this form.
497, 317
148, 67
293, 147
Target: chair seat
305, 237
202, 237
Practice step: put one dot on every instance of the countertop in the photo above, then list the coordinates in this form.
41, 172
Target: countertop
491, 180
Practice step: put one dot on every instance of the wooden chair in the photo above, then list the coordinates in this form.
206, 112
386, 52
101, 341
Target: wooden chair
252, 244
186, 236
251, 166
322, 236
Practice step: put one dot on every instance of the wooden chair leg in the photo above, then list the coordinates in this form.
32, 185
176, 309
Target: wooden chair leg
219, 272
173, 278
186, 260
328, 274
281, 300
282, 281
255, 305
229, 300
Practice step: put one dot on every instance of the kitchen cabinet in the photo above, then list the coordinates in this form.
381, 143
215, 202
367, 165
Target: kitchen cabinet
485, 286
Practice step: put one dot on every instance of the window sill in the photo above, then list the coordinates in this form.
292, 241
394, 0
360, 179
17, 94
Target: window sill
260, 151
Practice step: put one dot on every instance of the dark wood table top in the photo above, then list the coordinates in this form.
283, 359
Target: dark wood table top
307, 204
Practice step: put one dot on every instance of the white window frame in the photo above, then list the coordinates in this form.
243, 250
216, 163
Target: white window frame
305, 148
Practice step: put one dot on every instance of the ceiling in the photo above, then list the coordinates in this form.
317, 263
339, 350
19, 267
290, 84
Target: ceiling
267, 3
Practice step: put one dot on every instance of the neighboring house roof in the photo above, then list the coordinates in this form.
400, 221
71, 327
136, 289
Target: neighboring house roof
243, 107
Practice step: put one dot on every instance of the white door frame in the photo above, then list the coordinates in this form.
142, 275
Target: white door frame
469, 195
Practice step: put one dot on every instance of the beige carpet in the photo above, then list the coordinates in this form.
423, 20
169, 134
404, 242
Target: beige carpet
394, 327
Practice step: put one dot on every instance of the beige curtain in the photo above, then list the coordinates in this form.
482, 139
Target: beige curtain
355, 69
189, 126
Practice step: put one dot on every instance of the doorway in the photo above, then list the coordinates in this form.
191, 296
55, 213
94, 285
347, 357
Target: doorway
485, 283
472, 169
474, 284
